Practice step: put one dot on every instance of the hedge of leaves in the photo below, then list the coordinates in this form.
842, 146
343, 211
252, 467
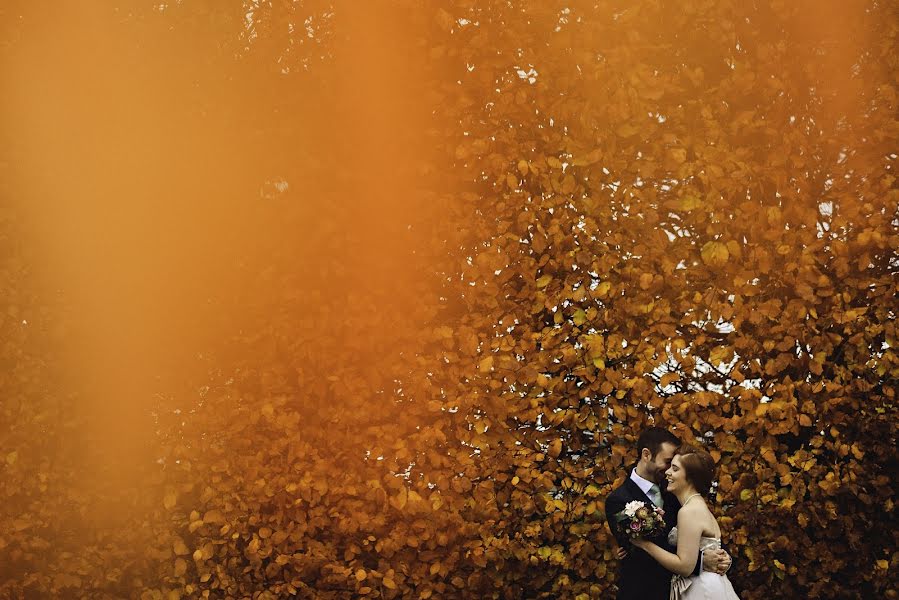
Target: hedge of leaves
436, 353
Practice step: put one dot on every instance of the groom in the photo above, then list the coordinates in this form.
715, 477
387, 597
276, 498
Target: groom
640, 577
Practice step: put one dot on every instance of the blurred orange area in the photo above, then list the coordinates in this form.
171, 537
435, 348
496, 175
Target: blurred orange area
160, 177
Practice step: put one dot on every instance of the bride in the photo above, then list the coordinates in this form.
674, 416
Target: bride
691, 470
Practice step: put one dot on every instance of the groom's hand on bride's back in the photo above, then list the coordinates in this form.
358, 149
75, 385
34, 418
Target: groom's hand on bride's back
716, 561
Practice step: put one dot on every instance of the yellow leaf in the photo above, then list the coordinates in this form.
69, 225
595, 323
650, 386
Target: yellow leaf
360, 575
627, 130
180, 567
883, 565
715, 254
170, 499
400, 499
444, 332
669, 378
678, 155
12, 457
580, 317
523, 167
486, 364
180, 547
555, 447
719, 354
592, 157
213, 516
690, 202
544, 280
746, 495
389, 583
855, 313
435, 568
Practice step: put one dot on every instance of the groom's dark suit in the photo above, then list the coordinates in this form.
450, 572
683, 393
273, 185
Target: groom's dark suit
640, 577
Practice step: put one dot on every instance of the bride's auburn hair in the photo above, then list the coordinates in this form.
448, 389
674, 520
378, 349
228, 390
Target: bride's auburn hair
698, 466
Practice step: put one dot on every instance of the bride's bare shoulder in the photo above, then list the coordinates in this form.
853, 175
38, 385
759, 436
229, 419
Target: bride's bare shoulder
695, 507
695, 512
689, 513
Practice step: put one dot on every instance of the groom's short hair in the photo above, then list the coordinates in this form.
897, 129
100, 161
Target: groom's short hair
653, 438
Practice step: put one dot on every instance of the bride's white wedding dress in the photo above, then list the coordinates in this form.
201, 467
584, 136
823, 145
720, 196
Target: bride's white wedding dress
706, 585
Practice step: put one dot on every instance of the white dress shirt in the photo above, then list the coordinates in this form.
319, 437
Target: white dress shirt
643, 484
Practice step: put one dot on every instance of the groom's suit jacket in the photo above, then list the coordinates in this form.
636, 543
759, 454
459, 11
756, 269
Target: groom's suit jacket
640, 577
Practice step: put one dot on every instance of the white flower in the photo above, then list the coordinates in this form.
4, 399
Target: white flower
630, 509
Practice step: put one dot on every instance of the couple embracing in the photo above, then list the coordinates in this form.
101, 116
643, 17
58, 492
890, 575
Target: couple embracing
680, 557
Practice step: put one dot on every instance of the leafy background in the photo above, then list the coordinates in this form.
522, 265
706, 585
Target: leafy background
330, 300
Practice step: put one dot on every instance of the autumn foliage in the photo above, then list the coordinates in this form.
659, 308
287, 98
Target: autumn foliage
468, 252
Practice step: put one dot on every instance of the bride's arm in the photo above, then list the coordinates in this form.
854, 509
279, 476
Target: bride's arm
688, 533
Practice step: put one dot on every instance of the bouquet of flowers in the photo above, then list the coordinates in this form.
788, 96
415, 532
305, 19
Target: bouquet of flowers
641, 520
